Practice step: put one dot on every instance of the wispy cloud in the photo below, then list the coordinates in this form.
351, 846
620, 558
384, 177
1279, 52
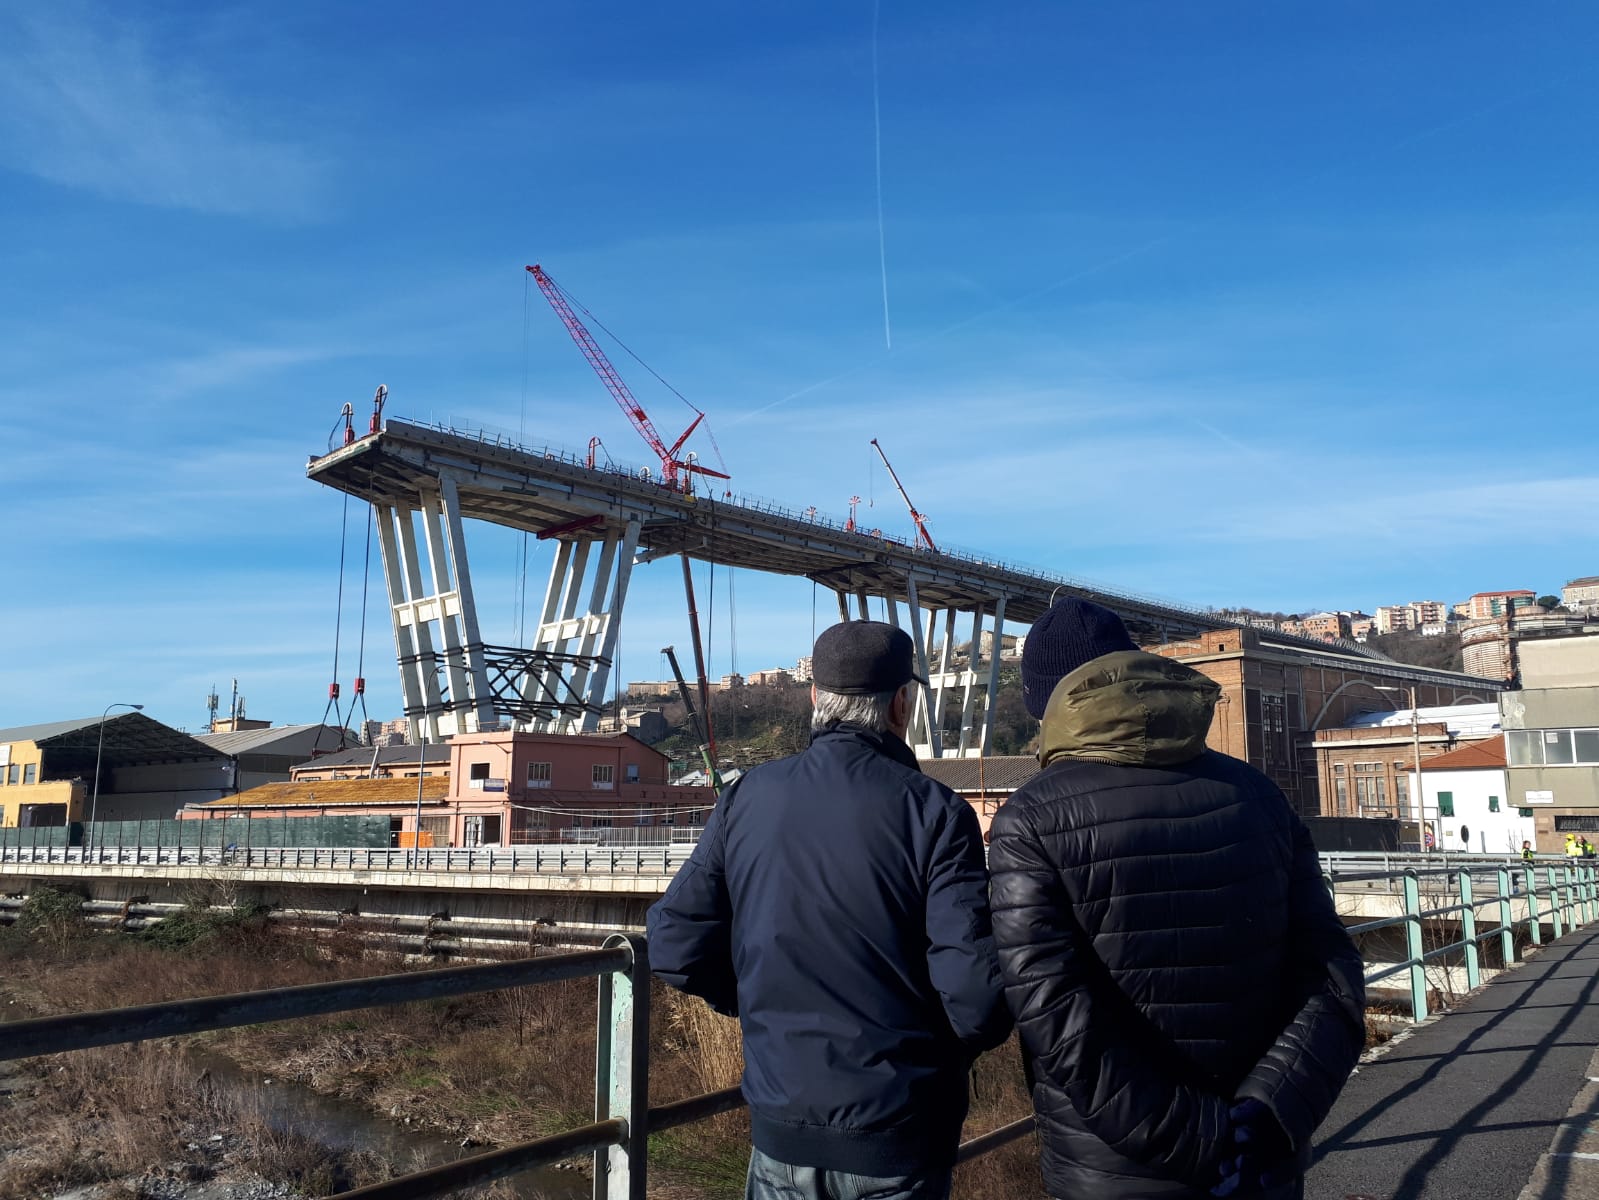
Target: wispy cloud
88, 100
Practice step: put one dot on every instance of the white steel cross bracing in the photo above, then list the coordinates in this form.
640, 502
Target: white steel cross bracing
595, 627
435, 626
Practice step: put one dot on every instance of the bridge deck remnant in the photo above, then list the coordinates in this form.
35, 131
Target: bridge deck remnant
558, 683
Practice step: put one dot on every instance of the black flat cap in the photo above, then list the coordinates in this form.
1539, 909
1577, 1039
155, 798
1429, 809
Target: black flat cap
860, 658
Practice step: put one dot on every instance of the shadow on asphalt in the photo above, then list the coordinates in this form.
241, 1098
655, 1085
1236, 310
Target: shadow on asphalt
1503, 998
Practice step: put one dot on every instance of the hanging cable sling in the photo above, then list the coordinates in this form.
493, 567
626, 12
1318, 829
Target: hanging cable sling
338, 617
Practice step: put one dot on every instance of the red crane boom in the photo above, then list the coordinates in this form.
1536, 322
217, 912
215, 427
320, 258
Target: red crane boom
921, 521
671, 465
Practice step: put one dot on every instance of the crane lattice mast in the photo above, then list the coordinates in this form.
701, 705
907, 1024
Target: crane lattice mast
671, 465
921, 522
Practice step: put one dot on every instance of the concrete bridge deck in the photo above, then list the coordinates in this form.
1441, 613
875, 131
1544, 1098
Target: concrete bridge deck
1497, 1099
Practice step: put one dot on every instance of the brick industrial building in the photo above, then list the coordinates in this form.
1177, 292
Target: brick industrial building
1277, 696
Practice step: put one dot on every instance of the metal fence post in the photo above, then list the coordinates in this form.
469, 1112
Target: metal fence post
1413, 947
1507, 940
1534, 923
621, 1073
1468, 931
1554, 905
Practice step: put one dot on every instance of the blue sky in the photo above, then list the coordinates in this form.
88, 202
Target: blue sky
1282, 305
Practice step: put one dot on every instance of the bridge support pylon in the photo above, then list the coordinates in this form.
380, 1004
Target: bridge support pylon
948, 675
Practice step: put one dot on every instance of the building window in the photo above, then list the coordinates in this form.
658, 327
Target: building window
632, 773
604, 776
1338, 768
1552, 747
1402, 791
30, 773
477, 775
1446, 804
1524, 812
1381, 791
1341, 786
1493, 804
1575, 824
601, 822
14, 775
645, 818
538, 775
1557, 747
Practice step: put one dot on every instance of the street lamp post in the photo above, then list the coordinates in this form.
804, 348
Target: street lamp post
1419, 799
99, 753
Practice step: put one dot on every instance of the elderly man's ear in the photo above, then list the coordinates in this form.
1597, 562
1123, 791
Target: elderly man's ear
899, 712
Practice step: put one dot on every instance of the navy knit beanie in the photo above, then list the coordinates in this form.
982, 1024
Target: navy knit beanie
1070, 634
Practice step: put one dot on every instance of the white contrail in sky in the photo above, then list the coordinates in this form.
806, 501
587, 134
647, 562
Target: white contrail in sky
877, 129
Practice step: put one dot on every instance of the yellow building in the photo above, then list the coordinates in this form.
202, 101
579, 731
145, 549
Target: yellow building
147, 770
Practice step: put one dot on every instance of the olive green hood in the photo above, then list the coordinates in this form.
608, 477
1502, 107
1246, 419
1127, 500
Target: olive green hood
1131, 708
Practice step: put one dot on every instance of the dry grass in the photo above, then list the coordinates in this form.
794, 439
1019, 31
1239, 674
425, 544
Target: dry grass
493, 1069
119, 1112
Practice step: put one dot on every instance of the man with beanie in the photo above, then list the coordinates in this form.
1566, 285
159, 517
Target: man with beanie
1188, 1001
837, 904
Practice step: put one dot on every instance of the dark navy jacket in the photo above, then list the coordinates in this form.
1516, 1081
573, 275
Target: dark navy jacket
837, 904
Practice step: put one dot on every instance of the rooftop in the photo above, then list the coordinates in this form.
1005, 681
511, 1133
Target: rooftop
333, 793
256, 741
999, 773
1461, 720
432, 753
1488, 755
129, 738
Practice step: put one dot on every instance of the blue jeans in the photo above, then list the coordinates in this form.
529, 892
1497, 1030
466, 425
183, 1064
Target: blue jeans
772, 1180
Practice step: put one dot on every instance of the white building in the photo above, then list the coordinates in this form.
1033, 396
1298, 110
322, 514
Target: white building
1465, 801
1581, 595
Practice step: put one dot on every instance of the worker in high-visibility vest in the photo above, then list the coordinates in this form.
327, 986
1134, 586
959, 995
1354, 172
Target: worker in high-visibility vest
1573, 846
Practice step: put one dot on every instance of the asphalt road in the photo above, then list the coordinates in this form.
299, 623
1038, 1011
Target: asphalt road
1482, 1102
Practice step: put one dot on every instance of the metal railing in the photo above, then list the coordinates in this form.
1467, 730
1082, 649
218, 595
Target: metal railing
554, 859
1437, 892
617, 1138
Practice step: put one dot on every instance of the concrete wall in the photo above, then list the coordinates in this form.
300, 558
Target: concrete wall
1550, 708
1559, 662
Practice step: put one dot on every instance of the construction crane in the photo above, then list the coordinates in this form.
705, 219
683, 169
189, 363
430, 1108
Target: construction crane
701, 729
675, 472
921, 522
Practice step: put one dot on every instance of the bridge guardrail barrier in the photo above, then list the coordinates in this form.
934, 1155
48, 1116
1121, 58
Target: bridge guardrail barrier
618, 1137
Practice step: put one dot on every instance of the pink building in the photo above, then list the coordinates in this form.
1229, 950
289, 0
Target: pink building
516, 788
496, 789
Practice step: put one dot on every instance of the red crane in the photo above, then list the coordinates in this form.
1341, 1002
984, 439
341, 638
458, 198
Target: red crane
921, 522
672, 468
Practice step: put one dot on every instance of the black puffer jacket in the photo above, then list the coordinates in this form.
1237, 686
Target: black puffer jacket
1167, 943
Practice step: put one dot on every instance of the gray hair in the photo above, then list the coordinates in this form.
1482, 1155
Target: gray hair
870, 710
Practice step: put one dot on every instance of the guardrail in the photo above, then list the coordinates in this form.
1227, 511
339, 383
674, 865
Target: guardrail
618, 1137
1438, 891
558, 859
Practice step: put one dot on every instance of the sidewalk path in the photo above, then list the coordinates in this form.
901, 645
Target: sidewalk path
1493, 1100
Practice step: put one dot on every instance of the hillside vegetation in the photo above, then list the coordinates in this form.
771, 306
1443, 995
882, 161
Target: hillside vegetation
754, 724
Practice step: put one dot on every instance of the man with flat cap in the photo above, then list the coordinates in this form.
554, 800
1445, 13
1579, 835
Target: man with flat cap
837, 905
